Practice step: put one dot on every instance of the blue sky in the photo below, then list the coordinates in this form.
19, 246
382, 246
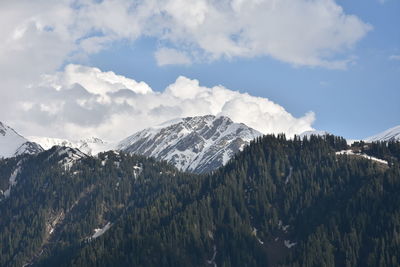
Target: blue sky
79, 68
357, 102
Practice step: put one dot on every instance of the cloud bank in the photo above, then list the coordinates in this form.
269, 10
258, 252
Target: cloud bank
299, 32
84, 101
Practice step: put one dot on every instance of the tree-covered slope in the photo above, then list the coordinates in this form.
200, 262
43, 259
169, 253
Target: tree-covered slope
279, 202
62, 195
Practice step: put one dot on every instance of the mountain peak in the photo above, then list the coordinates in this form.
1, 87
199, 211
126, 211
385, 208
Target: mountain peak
392, 134
197, 144
4, 130
13, 144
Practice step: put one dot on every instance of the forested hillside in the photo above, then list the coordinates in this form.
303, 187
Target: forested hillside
389, 151
278, 203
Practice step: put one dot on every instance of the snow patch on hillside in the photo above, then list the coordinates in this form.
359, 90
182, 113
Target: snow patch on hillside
289, 244
68, 156
350, 152
12, 181
100, 231
137, 170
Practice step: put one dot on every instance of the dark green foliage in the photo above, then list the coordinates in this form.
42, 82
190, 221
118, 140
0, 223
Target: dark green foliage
389, 151
6, 166
339, 210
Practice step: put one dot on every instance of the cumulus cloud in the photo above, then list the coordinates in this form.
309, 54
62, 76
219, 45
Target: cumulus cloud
83, 101
300, 32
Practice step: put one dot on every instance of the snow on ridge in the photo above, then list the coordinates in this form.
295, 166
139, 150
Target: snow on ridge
90, 146
350, 152
392, 134
70, 156
192, 142
13, 144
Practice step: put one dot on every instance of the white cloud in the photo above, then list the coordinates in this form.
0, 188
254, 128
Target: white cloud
93, 80
67, 104
394, 57
300, 32
169, 56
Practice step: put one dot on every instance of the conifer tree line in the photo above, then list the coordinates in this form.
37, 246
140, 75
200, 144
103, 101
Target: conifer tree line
279, 202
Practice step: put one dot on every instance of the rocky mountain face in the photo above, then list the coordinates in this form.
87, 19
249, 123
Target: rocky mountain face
196, 144
12, 144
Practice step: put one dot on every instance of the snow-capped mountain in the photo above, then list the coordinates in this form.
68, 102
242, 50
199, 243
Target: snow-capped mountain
12, 144
392, 134
196, 144
90, 146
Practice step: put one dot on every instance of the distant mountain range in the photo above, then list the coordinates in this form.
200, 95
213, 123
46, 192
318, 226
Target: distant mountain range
90, 146
195, 144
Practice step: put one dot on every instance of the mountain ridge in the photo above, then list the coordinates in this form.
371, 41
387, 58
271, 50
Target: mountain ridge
197, 144
391, 134
13, 144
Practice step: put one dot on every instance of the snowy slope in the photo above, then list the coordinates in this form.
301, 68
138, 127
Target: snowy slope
196, 144
388, 135
90, 146
12, 144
